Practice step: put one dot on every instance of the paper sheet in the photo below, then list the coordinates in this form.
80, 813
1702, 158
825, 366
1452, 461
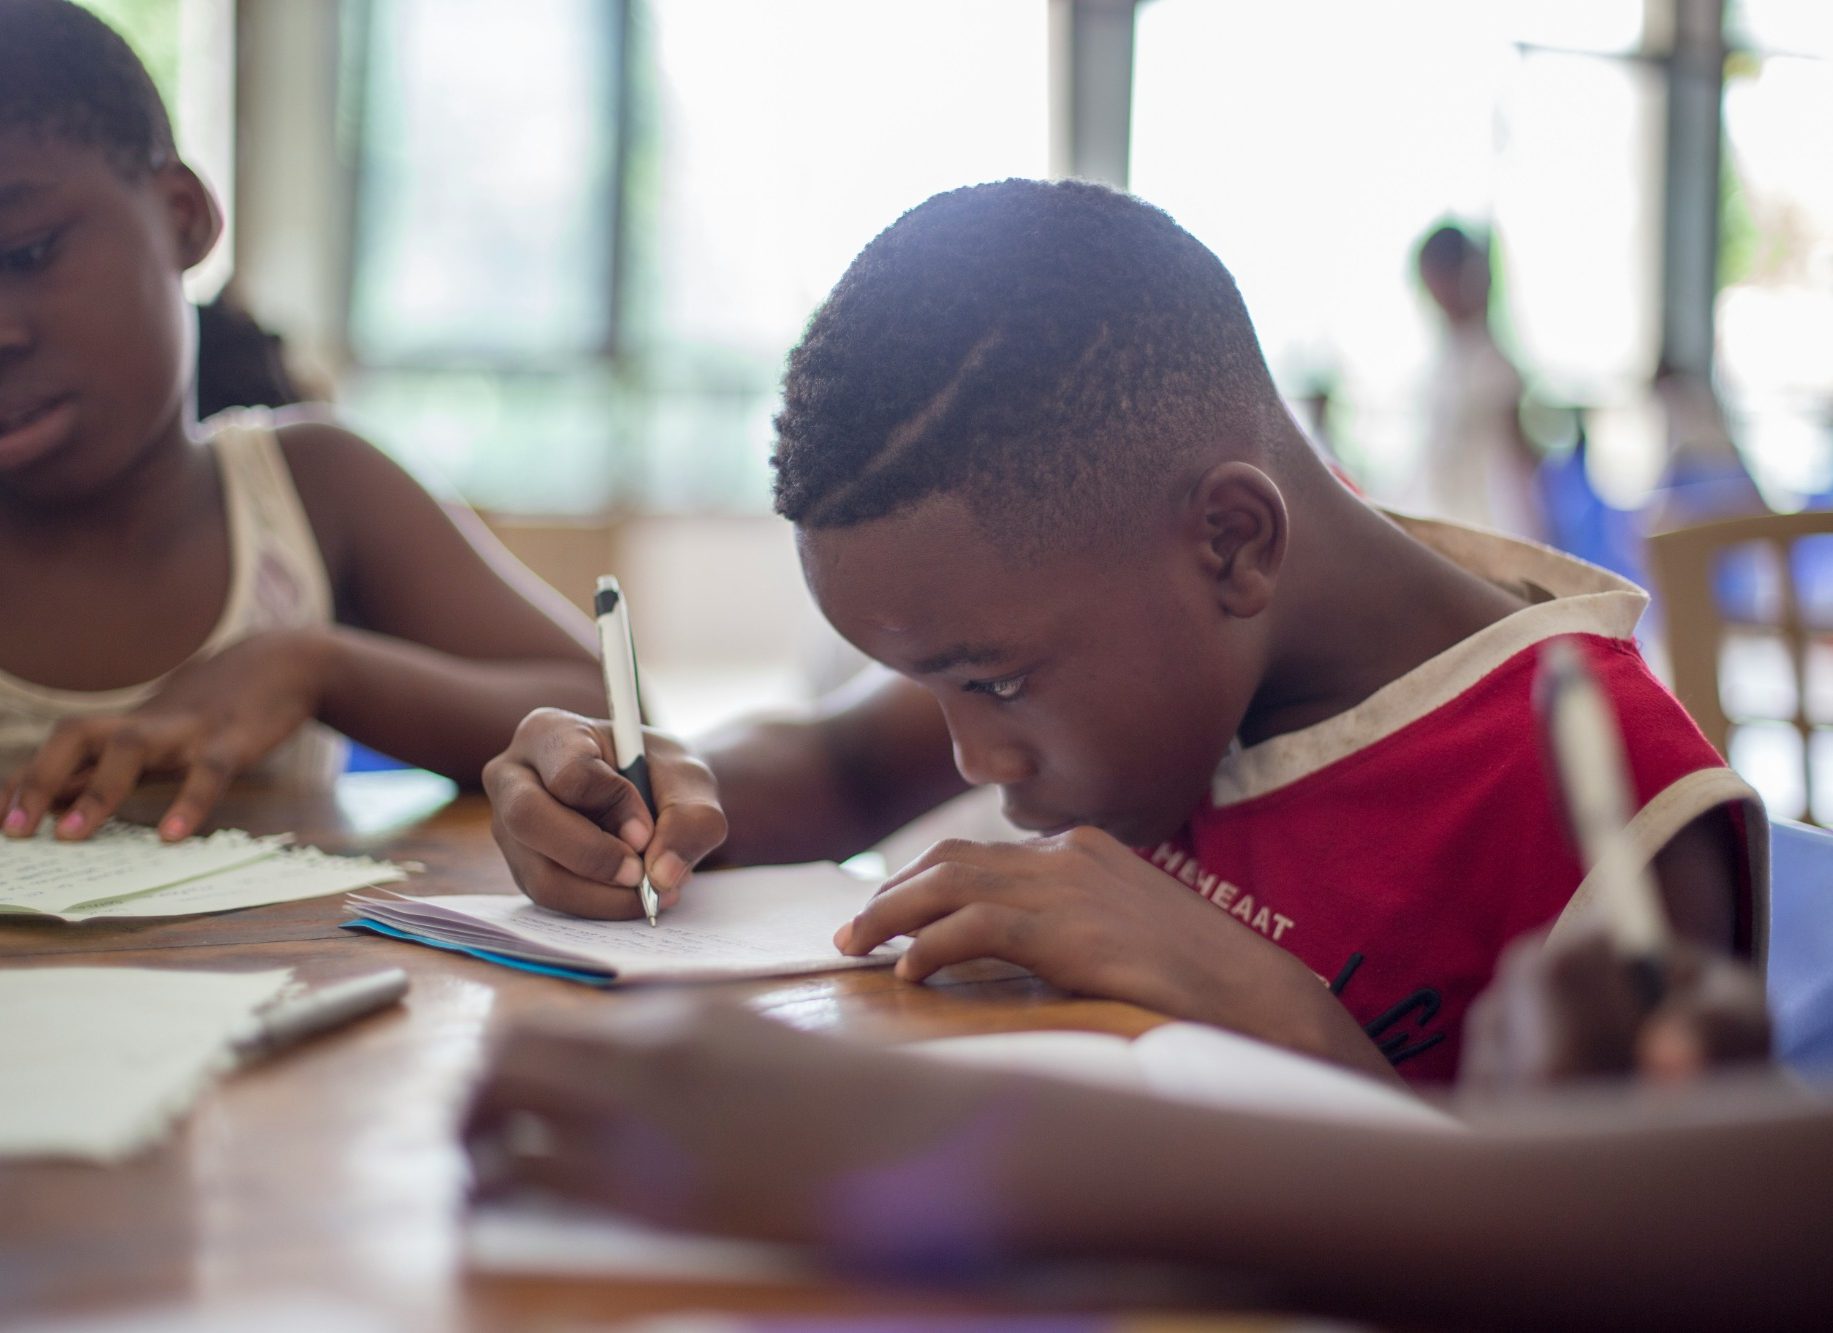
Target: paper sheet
124, 870
770, 921
42, 874
100, 1060
1191, 1062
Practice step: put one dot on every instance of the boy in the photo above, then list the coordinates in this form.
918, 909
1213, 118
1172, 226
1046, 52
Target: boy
1268, 736
197, 607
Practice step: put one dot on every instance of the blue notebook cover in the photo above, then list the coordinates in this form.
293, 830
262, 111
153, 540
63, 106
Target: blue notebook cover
520, 964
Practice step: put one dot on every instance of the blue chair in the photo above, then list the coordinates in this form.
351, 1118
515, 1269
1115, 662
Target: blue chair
1801, 945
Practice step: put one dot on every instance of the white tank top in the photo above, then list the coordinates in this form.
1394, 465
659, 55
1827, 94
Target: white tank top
277, 580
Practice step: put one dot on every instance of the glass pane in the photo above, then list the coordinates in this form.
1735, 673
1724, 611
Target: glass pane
1608, 27
1768, 756
768, 143
1318, 209
483, 226
1775, 307
1241, 130
1800, 27
1756, 678
787, 135
1579, 198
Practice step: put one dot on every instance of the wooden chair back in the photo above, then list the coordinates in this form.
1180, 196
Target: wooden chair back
1684, 564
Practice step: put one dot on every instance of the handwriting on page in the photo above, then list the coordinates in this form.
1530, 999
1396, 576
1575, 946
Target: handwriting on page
281, 878
41, 874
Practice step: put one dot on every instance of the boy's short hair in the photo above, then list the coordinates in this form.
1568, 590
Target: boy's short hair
1055, 353
65, 73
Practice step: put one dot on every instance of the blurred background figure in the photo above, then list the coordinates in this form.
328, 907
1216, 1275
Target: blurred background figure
1478, 466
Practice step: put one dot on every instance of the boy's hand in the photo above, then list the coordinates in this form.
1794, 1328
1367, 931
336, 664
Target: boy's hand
1084, 912
716, 1118
577, 836
1579, 1010
214, 718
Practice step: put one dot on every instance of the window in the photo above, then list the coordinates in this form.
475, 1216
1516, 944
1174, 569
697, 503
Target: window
1312, 145
625, 345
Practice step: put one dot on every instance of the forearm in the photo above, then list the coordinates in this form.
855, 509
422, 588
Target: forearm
435, 710
825, 785
1613, 1219
789, 797
1259, 990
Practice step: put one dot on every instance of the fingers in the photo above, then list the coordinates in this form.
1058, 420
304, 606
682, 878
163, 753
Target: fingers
1715, 1014
960, 851
916, 903
69, 750
557, 857
691, 822
206, 778
979, 930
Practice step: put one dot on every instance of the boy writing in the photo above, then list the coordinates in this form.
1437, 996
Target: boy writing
1268, 736
196, 607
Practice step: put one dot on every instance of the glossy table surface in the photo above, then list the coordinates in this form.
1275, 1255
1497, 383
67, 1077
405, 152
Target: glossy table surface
334, 1169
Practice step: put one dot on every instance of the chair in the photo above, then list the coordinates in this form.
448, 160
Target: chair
1801, 945
1711, 588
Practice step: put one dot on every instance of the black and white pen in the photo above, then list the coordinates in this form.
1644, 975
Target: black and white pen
618, 653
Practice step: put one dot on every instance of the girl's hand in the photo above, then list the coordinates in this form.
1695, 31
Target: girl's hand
213, 719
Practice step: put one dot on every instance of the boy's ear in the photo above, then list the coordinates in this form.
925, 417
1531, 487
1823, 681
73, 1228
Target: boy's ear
197, 221
1238, 518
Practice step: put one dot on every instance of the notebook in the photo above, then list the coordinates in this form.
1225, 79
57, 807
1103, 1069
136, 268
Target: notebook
124, 870
768, 921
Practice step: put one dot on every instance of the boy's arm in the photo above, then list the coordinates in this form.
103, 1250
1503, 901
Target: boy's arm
1596, 1213
868, 759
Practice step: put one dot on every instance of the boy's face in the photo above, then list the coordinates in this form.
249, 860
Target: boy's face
95, 331
1090, 688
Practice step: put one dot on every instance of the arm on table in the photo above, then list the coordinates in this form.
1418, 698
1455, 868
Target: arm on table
1610, 1213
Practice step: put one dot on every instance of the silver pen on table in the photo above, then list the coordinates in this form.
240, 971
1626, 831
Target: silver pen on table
288, 1022
618, 653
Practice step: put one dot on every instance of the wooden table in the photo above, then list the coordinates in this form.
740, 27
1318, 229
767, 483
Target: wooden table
334, 1169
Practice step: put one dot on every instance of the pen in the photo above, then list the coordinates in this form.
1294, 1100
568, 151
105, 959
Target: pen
618, 653
292, 1021
1587, 749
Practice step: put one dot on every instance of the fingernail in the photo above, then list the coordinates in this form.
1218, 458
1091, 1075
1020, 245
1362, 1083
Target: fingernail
173, 829
843, 937
71, 823
15, 820
629, 872
635, 834
669, 871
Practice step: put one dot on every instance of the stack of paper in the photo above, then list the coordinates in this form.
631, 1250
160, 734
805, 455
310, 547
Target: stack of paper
99, 1060
772, 921
124, 870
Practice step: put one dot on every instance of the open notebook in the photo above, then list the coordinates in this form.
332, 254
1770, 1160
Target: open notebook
124, 870
771, 921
